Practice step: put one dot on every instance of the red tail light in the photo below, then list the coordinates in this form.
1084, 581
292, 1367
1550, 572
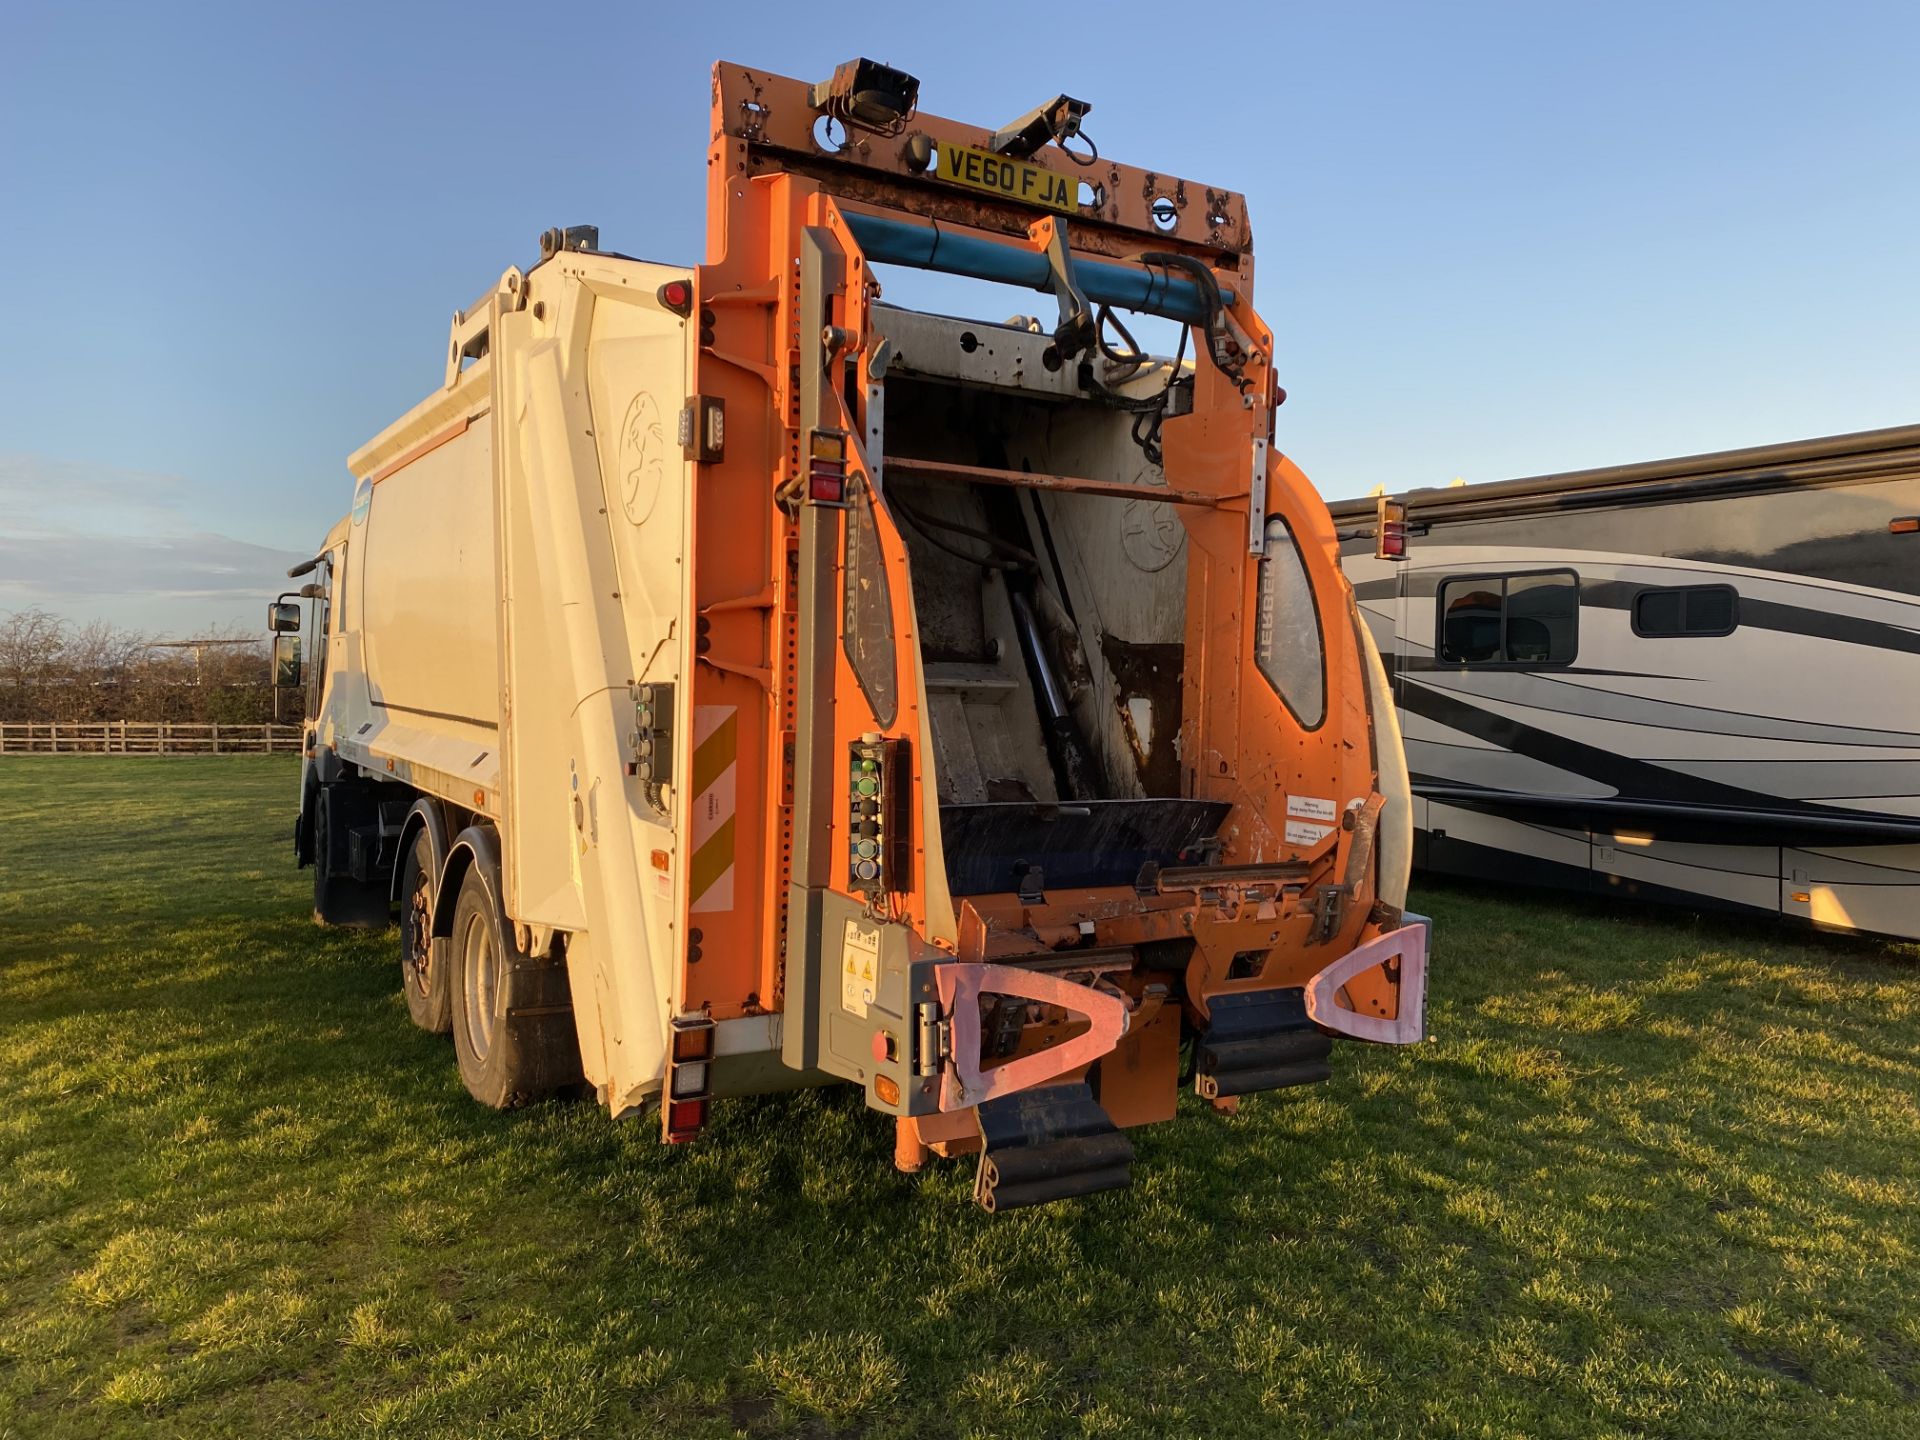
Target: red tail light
685, 1120
677, 296
827, 468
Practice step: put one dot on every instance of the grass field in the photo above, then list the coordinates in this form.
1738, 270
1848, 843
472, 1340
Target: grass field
1657, 1175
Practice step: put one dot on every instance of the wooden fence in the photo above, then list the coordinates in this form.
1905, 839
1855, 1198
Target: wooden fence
132, 737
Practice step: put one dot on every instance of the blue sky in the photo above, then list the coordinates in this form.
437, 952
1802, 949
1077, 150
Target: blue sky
1494, 239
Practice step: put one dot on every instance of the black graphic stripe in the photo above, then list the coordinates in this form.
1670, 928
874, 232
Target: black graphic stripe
1799, 828
1624, 775
1454, 667
1421, 666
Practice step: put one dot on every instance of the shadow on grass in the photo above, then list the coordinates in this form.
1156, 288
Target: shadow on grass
1654, 1175
1679, 924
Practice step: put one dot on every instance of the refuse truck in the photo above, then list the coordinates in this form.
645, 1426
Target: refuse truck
730, 681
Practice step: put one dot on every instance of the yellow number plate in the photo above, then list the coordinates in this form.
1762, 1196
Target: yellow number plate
1009, 179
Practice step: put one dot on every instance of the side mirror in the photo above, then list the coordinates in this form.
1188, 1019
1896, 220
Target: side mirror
286, 662
283, 616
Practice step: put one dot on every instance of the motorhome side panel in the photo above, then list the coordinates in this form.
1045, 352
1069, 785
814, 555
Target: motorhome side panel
1726, 677
1863, 887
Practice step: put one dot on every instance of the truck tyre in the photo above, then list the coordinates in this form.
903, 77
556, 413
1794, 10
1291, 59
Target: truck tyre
338, 898
423, 963
512, 1015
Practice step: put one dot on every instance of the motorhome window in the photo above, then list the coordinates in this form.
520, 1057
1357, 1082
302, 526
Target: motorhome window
1676, 610
1511, 619
866, 631
1286, 633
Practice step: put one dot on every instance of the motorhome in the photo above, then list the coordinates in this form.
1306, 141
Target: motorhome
1694, 680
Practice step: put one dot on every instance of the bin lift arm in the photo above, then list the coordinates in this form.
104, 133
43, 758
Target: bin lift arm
960, 986
1074, 335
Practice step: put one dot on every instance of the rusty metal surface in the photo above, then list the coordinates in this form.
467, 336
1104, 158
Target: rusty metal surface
1005, 928
769, 121
1033, 480
1146, 679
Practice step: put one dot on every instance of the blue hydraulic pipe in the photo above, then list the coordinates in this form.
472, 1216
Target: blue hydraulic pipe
926, 246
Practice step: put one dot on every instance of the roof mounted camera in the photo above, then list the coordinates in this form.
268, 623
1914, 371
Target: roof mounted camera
1059, 119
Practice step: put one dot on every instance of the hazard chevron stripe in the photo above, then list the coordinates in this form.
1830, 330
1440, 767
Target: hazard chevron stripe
716, 744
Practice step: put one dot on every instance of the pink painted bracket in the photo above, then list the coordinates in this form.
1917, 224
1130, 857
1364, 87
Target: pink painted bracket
964, 1083
1409, 1026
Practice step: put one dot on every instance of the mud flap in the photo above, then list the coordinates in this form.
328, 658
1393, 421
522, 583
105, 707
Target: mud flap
344, 816
540, 1026
1048, 1143
1259, 1040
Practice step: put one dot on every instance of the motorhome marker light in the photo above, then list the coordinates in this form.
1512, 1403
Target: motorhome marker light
1390, 529
1904, 525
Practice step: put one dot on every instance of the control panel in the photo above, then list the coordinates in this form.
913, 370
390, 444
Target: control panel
878, 829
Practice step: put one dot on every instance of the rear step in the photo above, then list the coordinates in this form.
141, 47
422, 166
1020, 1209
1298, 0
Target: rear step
1048, 1143
1259, 1040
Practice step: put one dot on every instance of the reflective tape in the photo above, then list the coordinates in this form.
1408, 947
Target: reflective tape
716, 744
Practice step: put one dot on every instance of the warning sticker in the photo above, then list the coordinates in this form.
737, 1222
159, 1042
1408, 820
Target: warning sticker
859, 967
1311, 807
1299, 832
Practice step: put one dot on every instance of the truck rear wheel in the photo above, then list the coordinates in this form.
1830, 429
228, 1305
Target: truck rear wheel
423, 964
512, 1014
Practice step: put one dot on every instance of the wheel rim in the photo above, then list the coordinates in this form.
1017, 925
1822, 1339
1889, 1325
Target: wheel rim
480, 971
420, 935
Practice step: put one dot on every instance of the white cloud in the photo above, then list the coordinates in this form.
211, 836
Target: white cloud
96, 542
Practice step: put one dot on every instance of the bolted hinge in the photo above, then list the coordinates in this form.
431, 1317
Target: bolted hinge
932, 1038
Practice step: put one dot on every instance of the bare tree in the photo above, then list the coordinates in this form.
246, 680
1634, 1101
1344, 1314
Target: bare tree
102, 651
30, 644
51, 669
